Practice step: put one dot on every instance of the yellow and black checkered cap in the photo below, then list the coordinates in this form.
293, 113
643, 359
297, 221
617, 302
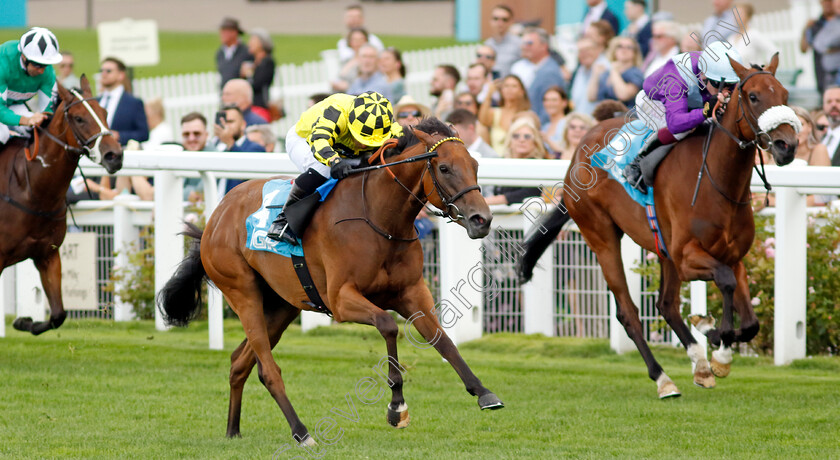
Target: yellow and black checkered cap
370, 119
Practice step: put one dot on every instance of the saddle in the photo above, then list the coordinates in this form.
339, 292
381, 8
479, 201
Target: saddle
300, 213
650, 163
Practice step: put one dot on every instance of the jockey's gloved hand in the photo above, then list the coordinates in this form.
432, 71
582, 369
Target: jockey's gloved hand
340, 169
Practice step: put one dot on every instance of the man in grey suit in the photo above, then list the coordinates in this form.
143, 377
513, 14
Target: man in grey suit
465, 122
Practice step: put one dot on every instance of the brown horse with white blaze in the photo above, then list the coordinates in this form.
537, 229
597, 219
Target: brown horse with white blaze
363, 257
33, 195
707, 240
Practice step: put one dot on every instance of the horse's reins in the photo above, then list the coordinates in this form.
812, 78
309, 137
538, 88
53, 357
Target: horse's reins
741, 145
92, 152
449, 202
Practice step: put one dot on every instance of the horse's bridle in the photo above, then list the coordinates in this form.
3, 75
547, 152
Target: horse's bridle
93, 152
757, 131
761, 140
448, 201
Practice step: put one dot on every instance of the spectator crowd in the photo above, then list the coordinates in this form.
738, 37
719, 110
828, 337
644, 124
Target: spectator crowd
518, 98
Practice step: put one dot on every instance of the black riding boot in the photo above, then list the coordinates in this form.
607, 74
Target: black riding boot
303, 186
633, 171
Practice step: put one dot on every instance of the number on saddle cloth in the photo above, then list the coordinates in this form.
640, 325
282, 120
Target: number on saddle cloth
274, 196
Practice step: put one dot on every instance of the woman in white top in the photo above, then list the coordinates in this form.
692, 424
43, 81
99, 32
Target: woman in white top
159, 132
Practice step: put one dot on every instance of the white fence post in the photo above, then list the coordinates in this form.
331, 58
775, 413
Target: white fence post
125, 234
698, 307
310, 320
630, 253
791, 276
215, 307
169, 245
7, 296
31, 300
538, 295
460, 308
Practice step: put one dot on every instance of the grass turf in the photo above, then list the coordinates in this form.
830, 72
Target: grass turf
182, 52
98, 389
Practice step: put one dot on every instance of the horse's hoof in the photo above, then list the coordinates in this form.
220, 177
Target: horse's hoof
398, 418
702, 323
23, 323
666, 388
722, 361
490, 401
719, 369
308, 441
234, 435
703, 376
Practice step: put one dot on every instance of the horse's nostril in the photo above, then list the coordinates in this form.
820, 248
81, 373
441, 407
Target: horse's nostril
478, 220
780, 144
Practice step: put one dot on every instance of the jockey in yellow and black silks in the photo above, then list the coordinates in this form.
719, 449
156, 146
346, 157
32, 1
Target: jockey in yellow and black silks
341, 126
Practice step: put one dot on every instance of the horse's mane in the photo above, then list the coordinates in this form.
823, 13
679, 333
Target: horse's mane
430, 126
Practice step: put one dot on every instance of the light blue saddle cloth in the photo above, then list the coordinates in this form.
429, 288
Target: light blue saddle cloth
621, 150
274, 194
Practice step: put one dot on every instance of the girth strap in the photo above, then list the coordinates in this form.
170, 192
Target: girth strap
302, 271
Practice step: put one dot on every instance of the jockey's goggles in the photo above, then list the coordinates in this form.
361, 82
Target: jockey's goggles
721, 85
37, 65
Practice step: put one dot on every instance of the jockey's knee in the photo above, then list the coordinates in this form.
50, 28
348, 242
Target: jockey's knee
4, 133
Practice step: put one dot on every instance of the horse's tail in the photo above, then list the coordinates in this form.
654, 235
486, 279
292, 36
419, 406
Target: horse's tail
180, 300
538, 241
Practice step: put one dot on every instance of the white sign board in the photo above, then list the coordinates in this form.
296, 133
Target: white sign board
78, 272
133, 42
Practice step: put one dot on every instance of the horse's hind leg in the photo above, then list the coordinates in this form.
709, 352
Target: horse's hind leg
416, 306
604, 237
278, 315
50, 269
669, 307
238, 282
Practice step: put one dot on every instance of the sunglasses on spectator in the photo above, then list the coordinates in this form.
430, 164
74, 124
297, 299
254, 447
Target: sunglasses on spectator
821, 127
409, 113
501, 18
523, 136
485, 56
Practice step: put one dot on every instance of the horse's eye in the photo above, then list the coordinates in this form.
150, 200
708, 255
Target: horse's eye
443, 169
753, 98
78, 119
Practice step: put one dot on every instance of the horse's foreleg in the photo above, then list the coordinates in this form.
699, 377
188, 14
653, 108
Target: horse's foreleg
698, 264
722, 358
669, 307
417, 308
351, 305
49, 268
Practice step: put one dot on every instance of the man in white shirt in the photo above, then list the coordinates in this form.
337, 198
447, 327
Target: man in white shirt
831, 107
589, 53
715, 26
444, 80
354, 18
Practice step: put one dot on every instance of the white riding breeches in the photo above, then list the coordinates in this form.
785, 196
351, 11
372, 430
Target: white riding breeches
301, 154
5, 130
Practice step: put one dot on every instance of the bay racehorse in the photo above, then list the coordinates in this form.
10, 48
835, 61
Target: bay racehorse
34, 187
706, 240
363, 255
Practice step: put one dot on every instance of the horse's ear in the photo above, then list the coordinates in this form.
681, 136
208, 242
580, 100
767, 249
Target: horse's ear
63, 93
774, 62
424, 138
740, 70
85, 86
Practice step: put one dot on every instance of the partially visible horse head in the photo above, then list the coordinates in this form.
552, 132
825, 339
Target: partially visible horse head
763, 112
452, 182
88, 125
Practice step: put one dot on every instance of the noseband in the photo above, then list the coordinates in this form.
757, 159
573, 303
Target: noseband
91, 152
